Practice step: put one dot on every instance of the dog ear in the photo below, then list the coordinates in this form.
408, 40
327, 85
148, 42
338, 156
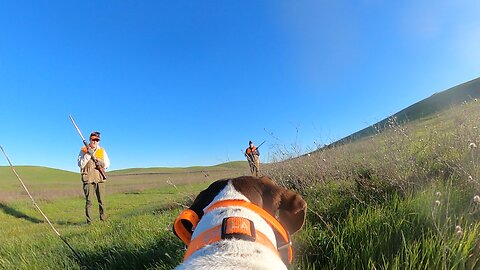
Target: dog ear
292, 211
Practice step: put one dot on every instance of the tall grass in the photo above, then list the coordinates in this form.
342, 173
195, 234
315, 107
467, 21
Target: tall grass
402, 199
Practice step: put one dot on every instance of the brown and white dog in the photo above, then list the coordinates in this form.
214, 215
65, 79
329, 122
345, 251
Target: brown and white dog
240, 223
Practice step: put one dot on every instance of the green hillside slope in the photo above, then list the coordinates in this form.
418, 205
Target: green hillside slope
407, 198
430, 106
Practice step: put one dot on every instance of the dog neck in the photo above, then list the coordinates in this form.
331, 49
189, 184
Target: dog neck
218, 226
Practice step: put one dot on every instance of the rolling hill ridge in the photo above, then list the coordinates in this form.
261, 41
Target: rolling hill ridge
428, 107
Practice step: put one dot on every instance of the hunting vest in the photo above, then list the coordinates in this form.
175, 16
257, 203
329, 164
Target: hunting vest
89, 173
249, 150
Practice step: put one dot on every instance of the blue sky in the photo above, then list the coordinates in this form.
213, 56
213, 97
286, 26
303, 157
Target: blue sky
181, 83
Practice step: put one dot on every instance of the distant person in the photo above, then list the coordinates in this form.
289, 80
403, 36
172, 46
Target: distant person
253, 158
92, 179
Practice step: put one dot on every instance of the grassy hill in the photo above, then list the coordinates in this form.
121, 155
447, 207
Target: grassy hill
41, 181
403, 199
428, 107
234, 165
47, 183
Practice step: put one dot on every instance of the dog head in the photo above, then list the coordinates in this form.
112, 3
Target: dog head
288, 206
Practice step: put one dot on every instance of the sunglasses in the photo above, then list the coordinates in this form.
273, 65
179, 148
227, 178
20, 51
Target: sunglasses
96, 140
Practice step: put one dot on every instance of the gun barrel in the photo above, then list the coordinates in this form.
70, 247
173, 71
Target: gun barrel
261, 144
78, 130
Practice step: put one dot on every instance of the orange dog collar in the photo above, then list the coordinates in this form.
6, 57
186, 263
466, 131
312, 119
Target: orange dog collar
233, 227
187, 218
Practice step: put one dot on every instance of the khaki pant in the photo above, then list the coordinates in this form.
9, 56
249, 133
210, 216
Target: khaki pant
99, 189
254, 165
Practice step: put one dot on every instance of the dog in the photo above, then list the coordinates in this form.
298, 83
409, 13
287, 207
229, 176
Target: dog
240, 223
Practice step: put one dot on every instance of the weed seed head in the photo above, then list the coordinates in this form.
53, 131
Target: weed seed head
472, 145
437, 203
458, 231
438, 194
476, 199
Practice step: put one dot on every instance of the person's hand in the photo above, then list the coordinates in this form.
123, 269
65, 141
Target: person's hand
100, 163
88, 151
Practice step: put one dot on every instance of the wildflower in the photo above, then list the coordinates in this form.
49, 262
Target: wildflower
438, 194
470, 178
324, 160
472, 145
476, 199
437, 203
458, 228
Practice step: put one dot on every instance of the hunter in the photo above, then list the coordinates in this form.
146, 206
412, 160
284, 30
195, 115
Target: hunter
93, 182
253, 158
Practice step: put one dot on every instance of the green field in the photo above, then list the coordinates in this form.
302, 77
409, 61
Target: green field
399, 199
48, 183
137, 235
141, 205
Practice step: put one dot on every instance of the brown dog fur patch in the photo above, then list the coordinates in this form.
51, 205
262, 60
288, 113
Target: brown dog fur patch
263, 192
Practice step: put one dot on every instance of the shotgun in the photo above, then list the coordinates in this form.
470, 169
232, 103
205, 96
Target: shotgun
97, 166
